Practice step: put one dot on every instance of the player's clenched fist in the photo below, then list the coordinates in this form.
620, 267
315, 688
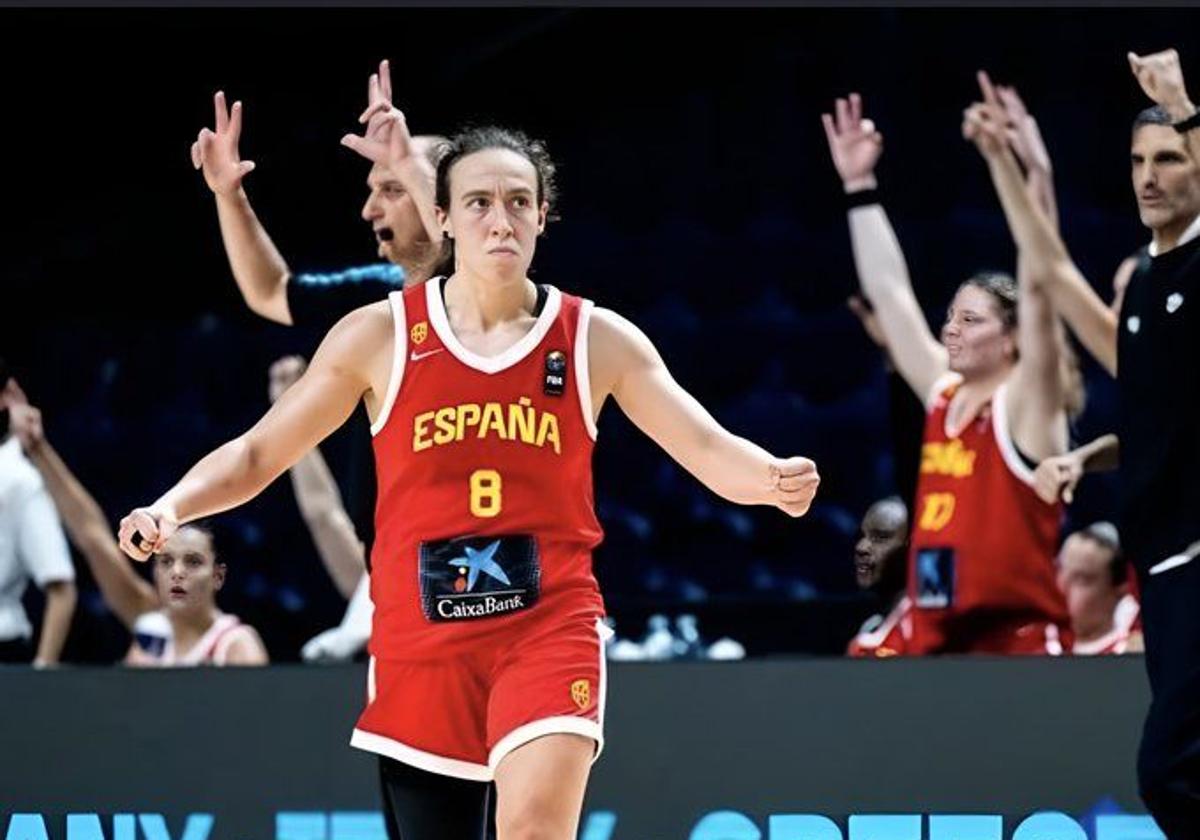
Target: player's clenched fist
144, 531
794, 482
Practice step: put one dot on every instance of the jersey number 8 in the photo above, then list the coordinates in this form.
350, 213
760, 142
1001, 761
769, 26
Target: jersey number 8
485, 493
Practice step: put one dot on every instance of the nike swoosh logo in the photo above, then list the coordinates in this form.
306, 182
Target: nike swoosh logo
416, 357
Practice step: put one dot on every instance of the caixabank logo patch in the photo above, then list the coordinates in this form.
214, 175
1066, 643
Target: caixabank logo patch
478, 577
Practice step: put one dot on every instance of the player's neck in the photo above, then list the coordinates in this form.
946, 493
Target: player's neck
188, 627
1095, 631
484, 303
980, 388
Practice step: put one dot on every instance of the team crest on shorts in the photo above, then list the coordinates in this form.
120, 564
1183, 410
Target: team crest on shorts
581, 693
479, 577
419, 332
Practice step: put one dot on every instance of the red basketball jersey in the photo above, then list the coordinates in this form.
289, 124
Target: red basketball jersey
484, 524
883, 636
981, 563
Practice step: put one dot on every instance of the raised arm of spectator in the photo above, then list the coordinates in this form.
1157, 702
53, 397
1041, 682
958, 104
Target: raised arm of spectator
258, 268
1048, 263
123, 590
388, 142
1161, 76
1025, 137
319, 500
1058, 476
1037, 418
855, 146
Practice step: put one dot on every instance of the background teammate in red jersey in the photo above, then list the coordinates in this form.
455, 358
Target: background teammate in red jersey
483, 401
981, 573
879, 568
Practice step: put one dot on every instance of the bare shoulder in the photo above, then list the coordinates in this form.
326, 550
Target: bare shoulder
362, 332
616, 348
372, 319
247, 648
612, 333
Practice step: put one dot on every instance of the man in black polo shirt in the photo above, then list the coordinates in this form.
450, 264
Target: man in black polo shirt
1158, 353
1156, 339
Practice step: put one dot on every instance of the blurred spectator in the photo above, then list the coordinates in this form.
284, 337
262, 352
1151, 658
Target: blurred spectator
174, 622
1094, 578
32, 547
880, 569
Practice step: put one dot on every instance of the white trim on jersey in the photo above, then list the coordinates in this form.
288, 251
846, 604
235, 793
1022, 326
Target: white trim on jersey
430, 762
1053, 640
935, 390
399, 352
583, 375
1126, 613
489, 364
1008, 449
562, 724
871, 639
1116, 638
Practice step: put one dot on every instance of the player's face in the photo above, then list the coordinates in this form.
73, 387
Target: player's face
975, 336
1166, 181
881, 540
494, 215
1084, 579
185, 574
393, 215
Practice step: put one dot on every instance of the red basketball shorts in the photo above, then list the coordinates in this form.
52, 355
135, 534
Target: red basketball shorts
461, 716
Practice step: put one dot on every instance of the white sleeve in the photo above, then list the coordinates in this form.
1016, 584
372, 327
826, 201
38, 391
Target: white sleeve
41, 544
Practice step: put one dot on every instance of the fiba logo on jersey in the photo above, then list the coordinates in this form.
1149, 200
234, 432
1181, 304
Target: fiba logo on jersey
419, 332
556, 373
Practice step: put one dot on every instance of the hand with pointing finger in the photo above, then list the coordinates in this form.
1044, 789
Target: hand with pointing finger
215, 152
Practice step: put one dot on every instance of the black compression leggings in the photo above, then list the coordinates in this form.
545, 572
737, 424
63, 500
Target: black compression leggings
419, 805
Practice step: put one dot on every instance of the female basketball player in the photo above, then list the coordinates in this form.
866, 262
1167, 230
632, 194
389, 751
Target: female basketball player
483, 389
981, 570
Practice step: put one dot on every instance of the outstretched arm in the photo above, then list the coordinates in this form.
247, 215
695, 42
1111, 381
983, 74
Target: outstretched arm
342, 372
1025, 137
626, 365
1048, 264
855, 146
258, 268
319, 499
1037, 418
126, 594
